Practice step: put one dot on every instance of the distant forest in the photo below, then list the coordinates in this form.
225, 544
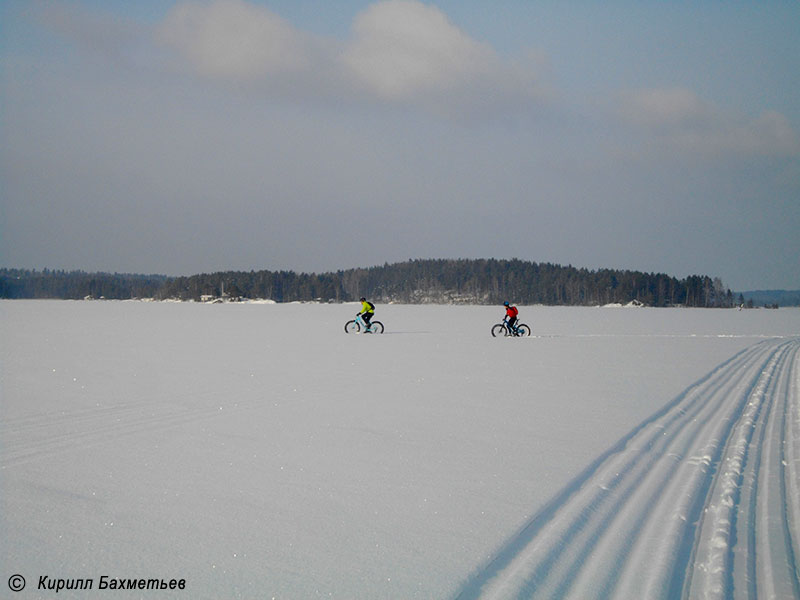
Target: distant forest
772, 297
76, 285
462, 281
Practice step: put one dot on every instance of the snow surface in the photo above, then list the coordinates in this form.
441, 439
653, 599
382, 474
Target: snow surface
258, 451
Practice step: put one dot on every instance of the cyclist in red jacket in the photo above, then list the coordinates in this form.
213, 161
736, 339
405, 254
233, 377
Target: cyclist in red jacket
511, 317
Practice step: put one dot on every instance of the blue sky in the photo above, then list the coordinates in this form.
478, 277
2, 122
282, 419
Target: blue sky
185, 137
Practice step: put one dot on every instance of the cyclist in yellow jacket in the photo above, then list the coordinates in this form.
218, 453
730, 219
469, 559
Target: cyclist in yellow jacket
367, 311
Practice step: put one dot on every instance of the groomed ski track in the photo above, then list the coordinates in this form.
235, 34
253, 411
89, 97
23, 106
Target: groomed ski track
700, 501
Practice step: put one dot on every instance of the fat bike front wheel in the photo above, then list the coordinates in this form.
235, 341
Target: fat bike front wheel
352, 327
499, 330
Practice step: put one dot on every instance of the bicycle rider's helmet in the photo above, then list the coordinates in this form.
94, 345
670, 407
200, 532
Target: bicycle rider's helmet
505, 303
363, 299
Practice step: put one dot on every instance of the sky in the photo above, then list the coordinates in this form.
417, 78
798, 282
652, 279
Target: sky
206, 135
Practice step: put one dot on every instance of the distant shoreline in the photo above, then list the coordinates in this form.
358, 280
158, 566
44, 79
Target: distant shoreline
428, 281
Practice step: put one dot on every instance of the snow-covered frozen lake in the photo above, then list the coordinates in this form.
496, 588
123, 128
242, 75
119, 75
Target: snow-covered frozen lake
258, 451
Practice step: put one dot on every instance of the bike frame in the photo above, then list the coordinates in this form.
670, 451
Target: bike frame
362, 323
513, 328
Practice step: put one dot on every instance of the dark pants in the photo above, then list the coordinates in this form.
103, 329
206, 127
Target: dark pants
367, 317
511, 322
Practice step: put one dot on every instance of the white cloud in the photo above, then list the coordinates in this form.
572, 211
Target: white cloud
404, 47
679, 120
675, 107
400, 51
97, 32
405, 51
233, 39
770, 133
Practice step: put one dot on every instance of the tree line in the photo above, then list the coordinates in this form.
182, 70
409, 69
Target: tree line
76, 285
464, 281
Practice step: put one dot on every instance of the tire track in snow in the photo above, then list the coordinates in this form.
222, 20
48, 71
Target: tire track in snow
33, 438
763, 556
700, 501
105, 428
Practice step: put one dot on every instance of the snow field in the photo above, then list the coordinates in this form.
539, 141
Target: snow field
259, 451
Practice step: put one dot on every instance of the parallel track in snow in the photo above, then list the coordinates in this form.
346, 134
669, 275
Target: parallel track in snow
39, 437
700, 501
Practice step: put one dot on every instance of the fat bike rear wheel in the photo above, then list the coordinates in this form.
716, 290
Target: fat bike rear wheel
375, 327
523, 330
